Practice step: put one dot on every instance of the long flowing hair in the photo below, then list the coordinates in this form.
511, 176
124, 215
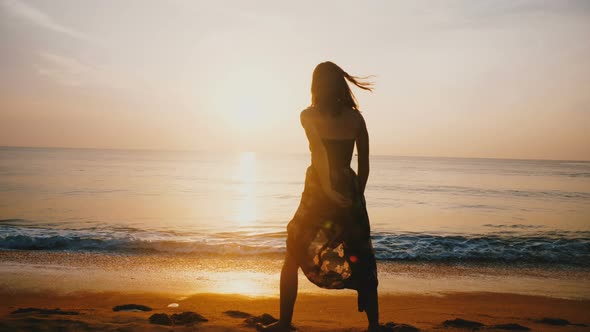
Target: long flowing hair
329, 90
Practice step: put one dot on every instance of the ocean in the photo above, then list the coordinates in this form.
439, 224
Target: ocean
206, 204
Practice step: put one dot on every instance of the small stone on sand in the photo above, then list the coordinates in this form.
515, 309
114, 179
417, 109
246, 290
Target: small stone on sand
264, 319
160, 319
237, 314
394, 327
55, 311
188, 317
462, 324
173, 305
131, 307
554, 321
185, 318
509, 327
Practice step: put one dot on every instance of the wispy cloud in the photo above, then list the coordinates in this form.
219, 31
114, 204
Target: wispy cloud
39, 18
64, 70
483, 14
75, 72
71, 71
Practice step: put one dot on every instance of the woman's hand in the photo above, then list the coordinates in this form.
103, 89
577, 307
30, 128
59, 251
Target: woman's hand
338, 198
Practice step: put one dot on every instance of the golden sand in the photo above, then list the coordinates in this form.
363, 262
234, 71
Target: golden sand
312, 312
422, 295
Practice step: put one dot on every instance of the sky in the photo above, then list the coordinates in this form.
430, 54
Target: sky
491, 79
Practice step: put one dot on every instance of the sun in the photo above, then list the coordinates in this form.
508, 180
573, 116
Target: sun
248, 99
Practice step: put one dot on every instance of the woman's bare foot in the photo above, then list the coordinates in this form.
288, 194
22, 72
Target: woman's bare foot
373, 328
275, 327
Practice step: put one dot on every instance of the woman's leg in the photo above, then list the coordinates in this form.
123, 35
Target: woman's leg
372, 310
288, 289
288, 296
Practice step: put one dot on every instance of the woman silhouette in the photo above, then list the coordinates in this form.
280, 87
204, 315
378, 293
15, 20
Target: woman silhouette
329, 235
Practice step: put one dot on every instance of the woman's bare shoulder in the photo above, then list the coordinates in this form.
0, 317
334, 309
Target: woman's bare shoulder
307, 115
309, 112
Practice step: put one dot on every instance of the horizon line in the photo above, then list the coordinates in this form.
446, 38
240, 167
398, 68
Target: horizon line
292, 153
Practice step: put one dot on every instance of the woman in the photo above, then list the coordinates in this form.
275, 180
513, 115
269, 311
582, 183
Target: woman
329, 236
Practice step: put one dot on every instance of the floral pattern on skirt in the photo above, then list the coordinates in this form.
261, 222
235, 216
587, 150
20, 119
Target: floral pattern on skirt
332, 244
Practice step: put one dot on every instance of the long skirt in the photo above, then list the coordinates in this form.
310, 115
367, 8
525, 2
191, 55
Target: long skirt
332, 244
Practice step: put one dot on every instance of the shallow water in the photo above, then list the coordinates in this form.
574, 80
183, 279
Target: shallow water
421, 209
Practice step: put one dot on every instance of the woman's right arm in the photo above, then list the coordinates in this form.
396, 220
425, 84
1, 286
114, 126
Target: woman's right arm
321, 162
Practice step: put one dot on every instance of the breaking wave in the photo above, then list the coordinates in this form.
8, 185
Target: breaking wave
542, 247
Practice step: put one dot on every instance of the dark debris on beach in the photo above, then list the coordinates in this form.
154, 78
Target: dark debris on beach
56, 311
185, 318
131, 307
160, 319
558, 322
237, 314
264, 319
463, 324
470, 325
509, 327
395, 327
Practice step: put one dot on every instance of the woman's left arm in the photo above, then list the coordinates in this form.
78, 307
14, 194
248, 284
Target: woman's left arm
362, 147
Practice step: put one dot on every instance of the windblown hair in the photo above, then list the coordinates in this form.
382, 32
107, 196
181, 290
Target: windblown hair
329, 90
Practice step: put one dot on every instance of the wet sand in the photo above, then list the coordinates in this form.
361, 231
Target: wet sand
187, 274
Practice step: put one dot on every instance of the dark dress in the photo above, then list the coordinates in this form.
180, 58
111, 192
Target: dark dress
332, 244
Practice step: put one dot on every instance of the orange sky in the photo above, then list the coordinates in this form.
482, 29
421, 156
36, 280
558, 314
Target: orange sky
501, 79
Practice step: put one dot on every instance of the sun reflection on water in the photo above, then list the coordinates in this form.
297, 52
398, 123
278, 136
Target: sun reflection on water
246, 175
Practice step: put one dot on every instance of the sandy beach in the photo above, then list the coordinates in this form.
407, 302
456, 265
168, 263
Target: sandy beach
312, 312
87, 286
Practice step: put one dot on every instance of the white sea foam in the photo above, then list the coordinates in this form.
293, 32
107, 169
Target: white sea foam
561, 247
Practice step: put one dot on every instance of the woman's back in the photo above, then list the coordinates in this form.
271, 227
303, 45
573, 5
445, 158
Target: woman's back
344, 125
337, 132
339, 151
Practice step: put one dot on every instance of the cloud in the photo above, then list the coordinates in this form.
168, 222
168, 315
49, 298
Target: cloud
70, 71
62, 69
482, 14
37, 17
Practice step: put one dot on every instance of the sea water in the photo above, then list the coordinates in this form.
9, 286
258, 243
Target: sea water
238, 204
